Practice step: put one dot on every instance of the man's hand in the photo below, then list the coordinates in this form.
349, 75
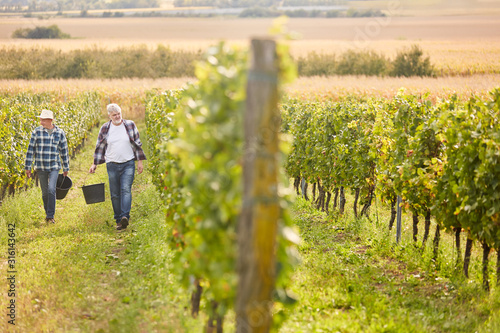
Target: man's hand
28, 173
92, 168
65, 173
140, 168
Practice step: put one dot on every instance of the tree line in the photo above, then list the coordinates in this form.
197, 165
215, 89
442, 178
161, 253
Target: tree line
64, 5
143, 62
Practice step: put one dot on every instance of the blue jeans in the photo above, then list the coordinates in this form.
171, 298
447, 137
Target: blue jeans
48, 182
121, 177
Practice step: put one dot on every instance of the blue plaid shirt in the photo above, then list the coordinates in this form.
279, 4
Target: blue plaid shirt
47, 150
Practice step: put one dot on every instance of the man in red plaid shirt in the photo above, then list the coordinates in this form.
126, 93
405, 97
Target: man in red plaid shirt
119, 146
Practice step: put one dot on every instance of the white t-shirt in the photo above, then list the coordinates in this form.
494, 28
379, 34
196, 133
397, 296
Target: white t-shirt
119, 149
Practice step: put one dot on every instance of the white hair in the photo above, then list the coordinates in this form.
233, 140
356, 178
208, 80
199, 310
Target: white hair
113, 107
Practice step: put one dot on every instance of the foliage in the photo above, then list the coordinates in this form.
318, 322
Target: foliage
115, 4
315, 64
255, 3
133, 62
352, 12
362, 63
50, 32
142, 62
65, 5
209, 149
160, 111
441, 157
197, 167
408, 145
407, 63
163, 165
261, 11
313, 2
468, 189
225, 3
332, 143
412, 63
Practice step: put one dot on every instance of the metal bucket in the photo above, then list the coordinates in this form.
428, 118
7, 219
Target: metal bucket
93, 193
63, 185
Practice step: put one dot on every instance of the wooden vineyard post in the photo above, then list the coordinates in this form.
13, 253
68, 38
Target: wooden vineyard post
257, 228
398, 219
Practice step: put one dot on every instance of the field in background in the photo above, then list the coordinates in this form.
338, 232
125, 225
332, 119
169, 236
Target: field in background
337, 86
437, 28
464, 56
108, 87
311, 87
455, 44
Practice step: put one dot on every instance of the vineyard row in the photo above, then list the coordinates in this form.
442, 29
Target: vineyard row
443, 159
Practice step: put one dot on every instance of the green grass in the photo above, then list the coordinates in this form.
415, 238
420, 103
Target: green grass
81, 275
354, 277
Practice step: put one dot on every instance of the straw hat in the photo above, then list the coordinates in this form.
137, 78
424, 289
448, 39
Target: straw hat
46, 114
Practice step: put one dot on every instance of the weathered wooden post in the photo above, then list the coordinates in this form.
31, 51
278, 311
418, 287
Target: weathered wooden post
398, 219
257, 228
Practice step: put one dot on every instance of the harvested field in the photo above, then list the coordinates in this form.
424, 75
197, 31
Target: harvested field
359, 30
456, 44
333, 87
463, 45
313, 87
107, 86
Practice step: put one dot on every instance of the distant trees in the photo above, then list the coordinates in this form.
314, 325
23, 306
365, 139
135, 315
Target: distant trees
12, 5
412, 63
256, 3
50, 32
93, 63
313, 2
62, 5
226, 3
116, 4
141, 62
407, 63
273, 12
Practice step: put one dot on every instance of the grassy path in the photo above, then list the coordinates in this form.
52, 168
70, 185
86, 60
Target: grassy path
81, 275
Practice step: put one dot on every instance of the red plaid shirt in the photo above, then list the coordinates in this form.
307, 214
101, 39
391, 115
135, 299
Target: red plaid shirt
102, 144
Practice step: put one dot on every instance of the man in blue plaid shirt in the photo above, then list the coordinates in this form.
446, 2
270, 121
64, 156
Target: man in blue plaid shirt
47, 147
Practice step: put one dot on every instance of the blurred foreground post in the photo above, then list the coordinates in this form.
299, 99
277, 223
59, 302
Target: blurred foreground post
258, 223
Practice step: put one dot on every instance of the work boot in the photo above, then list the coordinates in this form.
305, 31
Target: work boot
123, 224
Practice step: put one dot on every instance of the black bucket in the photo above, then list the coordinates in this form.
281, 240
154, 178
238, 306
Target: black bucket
62, 186
93, 193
